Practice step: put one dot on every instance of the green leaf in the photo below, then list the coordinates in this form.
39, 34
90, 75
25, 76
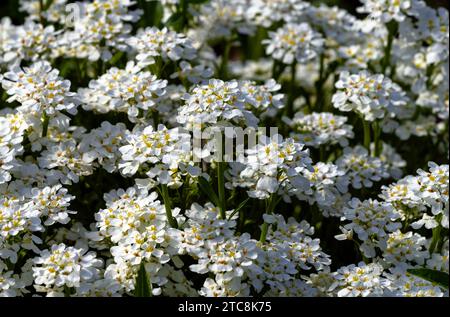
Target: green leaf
205, 187
437, 277
176, 21
142, 286
116, 58
47, 4
241, 205
153, 11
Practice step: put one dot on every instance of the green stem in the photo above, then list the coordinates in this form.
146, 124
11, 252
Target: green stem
272, 202
291, 96
435, 239
358, 247
436, 235
45, 121
366, 127
155, 115
377, 140
319, 84
392, 28
322, 153
166, 198
277, 69
221, 188
41, 10
223, 69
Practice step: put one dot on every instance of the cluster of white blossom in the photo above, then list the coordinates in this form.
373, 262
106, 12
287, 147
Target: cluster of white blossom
294, 42
318, 129
273, 166
39, 90
129, 90
361, 168
371, 96
422, 198
118, 177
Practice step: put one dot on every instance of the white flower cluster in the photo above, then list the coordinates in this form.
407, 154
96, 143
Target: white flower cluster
387, 10
294, 42
164, 154
371, 96
371, 220
328, 184
414, 195
127, 90
166, 44
39, 90
273, 166
12, 129
117, 171
97, 29
362, 169
319, 129
210, 103
64, 266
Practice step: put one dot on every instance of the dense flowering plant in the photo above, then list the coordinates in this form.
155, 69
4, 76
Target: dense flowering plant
224, 148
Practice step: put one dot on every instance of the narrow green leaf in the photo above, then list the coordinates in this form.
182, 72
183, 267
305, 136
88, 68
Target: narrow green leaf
47, 4
206, 188
116, 58
241, 205
438, 277
142, 286
175, 21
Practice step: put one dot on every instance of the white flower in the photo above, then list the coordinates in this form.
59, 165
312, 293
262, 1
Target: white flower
39, 89
127, 211
203, 224
129, 90
233, 288
438, 261
272, 166
319, 129
262, 99
165, 154
360, 168
328, 183
229, 258
30, 41
194, 74
387, 10
403, 284
67, 157
392, 160
17, 217
166, 44
54, 13
103, 143
371, 96
414, 195
362, 280
371, 220
98, 31
215, 101
294, 42
292, 242
337, 24
52, 203
65, 266
266, 13
403, 247
220, 18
